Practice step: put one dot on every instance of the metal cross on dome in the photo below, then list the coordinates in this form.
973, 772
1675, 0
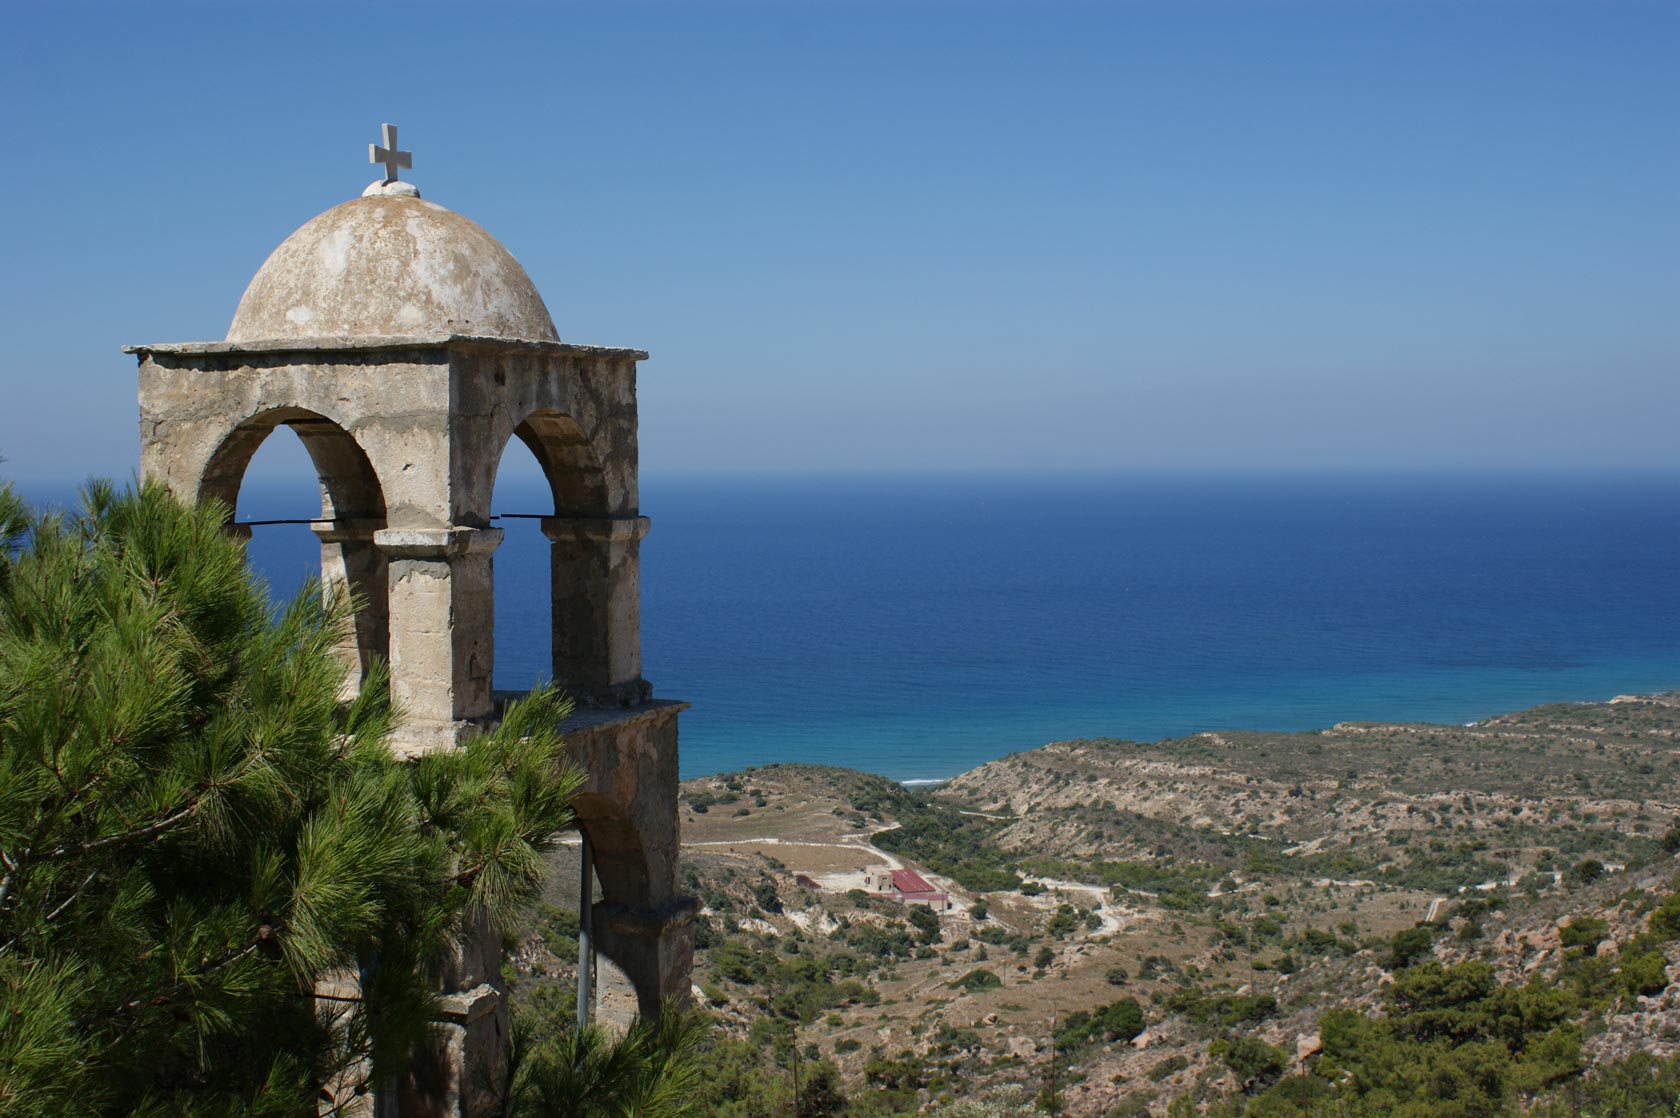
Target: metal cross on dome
388, 154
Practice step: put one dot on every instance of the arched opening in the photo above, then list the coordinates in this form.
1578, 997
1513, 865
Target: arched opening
567, 607
276, 504
617, 885
593, 642
524, 618
254, 475
568, 462
620, 863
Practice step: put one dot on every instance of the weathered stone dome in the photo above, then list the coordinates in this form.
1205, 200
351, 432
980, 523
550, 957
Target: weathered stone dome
390, 263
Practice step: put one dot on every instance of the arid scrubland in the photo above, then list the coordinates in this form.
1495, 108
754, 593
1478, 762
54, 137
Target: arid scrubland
1216, 921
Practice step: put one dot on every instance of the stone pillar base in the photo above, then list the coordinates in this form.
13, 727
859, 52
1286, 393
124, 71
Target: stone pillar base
619, 696
413, 738
654, 948
460, 1075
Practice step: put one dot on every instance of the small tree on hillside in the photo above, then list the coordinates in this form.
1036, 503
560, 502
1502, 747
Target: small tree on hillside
195, 831
926, 922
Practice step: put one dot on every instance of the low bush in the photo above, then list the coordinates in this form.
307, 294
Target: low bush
978, 979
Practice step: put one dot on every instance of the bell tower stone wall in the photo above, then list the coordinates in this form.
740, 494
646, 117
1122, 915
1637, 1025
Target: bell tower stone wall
406, 433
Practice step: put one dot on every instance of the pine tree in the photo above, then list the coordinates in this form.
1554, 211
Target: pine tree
651, 1070
195, 831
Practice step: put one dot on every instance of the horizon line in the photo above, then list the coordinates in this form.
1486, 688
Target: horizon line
1337, 473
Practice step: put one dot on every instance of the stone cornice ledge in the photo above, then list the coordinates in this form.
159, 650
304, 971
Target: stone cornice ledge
583, 719
436, 543
383, 341
603, 529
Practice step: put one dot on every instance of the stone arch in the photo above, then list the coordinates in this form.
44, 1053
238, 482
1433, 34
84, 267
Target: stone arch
352, 510
620, 861
349, 486
630, 925
594, 567
568, 460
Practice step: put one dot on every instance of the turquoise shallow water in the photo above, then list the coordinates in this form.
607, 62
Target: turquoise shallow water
916, 628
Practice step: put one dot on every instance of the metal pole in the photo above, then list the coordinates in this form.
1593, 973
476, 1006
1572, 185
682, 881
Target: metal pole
586, 920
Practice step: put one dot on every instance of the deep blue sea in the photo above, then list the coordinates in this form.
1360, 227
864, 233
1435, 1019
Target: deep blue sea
916, 628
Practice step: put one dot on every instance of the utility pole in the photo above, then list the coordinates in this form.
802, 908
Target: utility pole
1250, 926
586, 930
793, 1063
1052, 1084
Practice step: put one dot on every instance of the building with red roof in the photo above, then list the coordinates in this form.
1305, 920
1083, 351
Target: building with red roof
907, 887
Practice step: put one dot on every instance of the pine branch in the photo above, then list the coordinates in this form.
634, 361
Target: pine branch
169, 993
71, 899
51, 916
316, 995
151, 829
11, 870
353, 1100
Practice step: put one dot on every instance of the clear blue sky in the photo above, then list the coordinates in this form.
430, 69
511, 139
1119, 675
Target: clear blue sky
1343, 236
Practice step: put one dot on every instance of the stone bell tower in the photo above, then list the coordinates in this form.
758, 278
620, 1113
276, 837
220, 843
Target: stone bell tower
406, 347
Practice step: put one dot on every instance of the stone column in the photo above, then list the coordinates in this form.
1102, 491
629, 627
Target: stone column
461, 1069
596, 584
628, 805
442, 618
353, 566
653, 947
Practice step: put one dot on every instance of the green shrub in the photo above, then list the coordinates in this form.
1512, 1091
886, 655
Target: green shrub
1584, 931
1452, 1042
1409, 945
978, 979
1167, 1067
1117, 1022
1224, 1010
765, 896
1645, 973
1586, 871
1665, 921
736, 961
1254, 1061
